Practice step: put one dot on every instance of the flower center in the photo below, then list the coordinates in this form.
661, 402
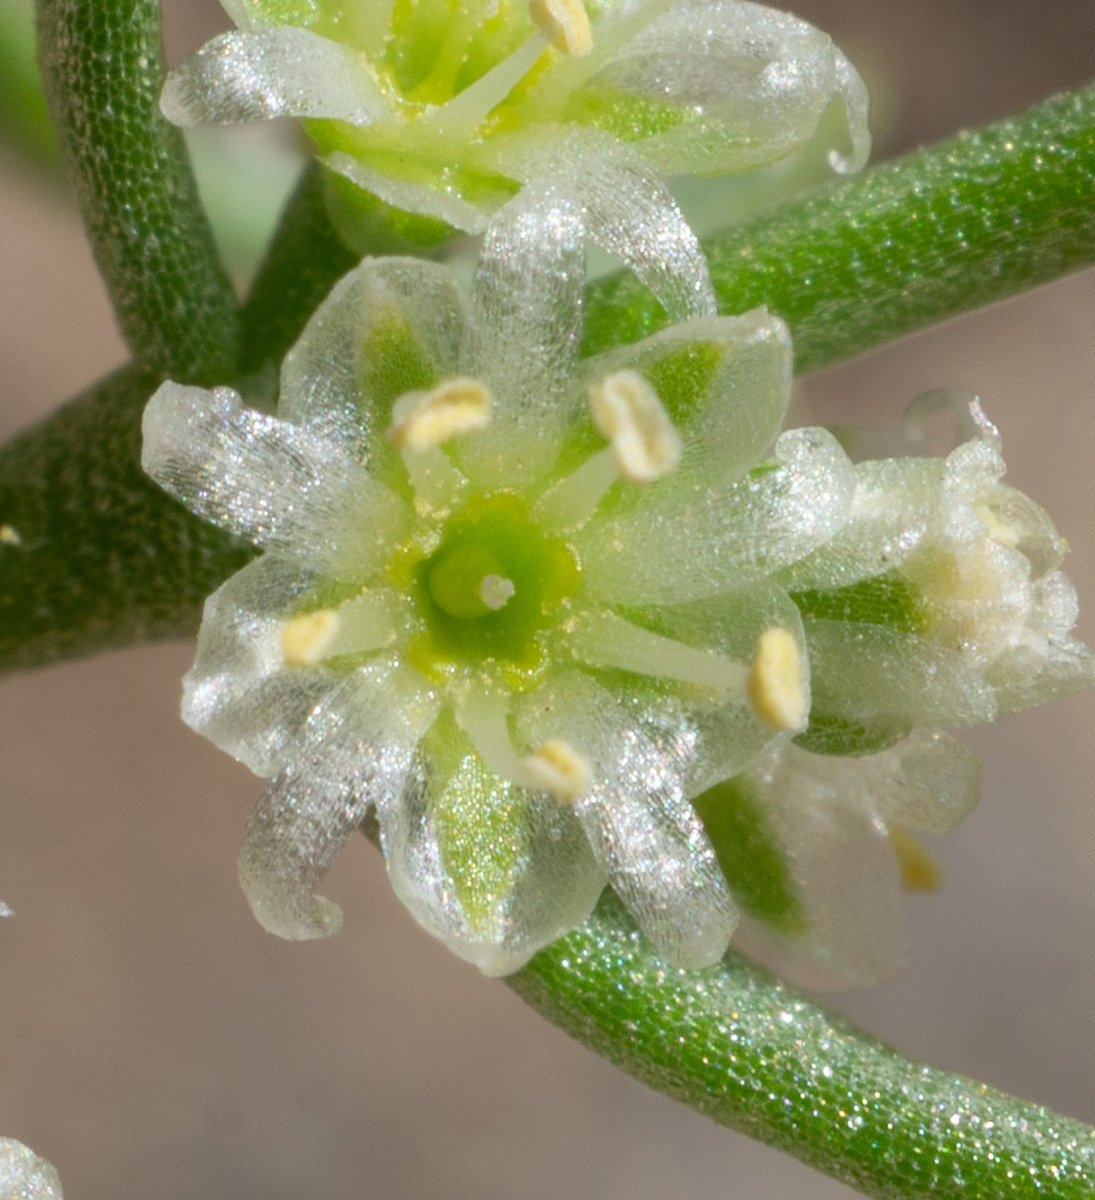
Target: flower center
493, 586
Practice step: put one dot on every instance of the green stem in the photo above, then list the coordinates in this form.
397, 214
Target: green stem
909, 243
305, 260
751, 1053
102, 66
92, 553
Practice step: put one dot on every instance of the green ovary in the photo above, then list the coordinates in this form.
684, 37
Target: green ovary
493, 588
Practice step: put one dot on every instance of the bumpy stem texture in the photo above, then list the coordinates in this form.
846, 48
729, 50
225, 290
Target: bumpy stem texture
305, 260
102, 66
753, 1054
92, 553
937, 233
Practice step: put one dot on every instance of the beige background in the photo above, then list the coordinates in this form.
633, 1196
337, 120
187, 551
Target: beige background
154, 1042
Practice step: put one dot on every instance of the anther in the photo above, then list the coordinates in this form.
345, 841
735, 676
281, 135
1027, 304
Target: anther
776, 684
566, 22
305, 639
427, 418
558, 768
626, 409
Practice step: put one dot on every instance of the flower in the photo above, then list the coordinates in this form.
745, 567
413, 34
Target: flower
559, 623
942, 595
25, 1176
940, 601
444, 108
521, 607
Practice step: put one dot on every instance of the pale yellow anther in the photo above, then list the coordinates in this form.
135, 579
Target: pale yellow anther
566, 22
496, 591
626, 409
999, 531
9, 536
776, 683
919, 871
558, 768
428, 418
305, 639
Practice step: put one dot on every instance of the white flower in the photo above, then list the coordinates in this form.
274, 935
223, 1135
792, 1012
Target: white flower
941, 602
444, 109
818, 848
519, 606
25, 1176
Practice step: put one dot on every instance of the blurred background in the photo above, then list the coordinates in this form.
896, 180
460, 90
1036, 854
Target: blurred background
155, 1042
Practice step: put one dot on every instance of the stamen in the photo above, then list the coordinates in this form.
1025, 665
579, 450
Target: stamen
367, 622
919, 871
436, 481
484, 717
558, 768
627, 410
604, 639
306, 638
566, 22
496, 591
427, 418
570, 503
776, 685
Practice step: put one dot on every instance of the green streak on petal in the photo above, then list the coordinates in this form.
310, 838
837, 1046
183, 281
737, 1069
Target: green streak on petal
625, 116
887, 599
757, 1056
102, 66
392, 363
482, 831
748, 855
940, 232
841, 737
682, 377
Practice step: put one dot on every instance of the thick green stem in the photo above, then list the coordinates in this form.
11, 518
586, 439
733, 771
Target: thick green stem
751, 1053
92, 553
939, 232
305, 259
102, 66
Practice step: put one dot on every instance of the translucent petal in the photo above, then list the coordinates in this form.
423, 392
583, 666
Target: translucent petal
892, 512
681, 542
355, 750
257, 75
872, 674
730, 86
239, 693
25, 1176
391, 326
628, 209
1043, 662
843, 868
409, 196
527, 305
929, 782
723, 736
643, 830
495, 871
275, 483
725, 382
